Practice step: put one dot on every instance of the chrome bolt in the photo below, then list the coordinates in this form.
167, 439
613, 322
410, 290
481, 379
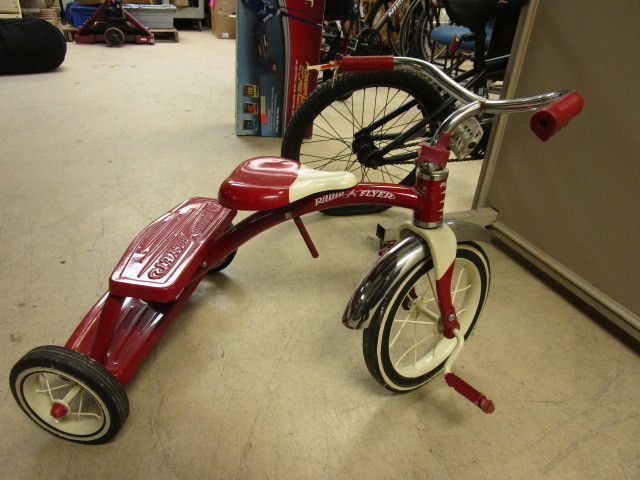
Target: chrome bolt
451, 317
204, 264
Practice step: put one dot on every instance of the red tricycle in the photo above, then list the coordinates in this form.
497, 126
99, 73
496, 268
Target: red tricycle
416, 306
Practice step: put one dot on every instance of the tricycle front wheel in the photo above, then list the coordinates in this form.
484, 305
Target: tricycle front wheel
404, 346
69, 394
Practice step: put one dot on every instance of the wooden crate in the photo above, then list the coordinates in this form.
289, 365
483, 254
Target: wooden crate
10, 9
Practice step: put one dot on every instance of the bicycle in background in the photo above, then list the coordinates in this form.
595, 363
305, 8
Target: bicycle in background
370, 123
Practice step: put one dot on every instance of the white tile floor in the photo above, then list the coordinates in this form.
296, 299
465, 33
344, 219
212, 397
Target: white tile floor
257, 378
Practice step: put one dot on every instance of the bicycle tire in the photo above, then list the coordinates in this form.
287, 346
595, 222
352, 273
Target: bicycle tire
392, 27
408, 29
334, 112
431, 17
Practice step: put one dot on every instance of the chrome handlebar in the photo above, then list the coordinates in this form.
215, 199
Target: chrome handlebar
473, 104
554, 110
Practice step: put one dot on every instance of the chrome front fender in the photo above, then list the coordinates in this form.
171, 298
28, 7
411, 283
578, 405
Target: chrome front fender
468, 231
411, 249
388, 269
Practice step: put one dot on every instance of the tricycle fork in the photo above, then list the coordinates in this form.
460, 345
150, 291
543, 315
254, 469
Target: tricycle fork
431, 184
442, 243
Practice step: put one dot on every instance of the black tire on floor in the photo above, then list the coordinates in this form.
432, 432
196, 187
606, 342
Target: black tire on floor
93, 405
114, 37
222, 264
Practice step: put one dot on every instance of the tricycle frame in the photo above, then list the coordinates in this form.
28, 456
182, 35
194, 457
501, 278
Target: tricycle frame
108, 334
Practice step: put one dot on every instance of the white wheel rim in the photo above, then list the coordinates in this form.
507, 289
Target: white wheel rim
416, 344
40, 388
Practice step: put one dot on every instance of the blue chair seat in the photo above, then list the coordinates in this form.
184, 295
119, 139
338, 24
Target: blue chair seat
445, 34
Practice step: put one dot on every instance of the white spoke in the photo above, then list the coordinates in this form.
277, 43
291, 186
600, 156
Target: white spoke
415, 341
461, 289
404, 323
432, 315
416, 321
80, 406
433, 288
50, 389
455, 290
85, 415
413, 347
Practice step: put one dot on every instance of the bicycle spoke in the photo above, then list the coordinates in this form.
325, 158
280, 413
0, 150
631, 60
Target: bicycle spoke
396, 120
455, 290
433, 289
337, 135
48, 390
411, 348
392, 342
416, 322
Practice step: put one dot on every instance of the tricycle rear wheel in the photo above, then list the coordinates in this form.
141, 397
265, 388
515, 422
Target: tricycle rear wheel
69, 394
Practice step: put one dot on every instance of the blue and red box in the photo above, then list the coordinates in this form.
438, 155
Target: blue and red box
78, 14
275, 44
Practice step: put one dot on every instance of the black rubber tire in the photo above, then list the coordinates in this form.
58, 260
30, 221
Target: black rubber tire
341, 98
424, 46
225, 262
114, 37
403, 298
391, 30
408, 30
100, 394
222, 264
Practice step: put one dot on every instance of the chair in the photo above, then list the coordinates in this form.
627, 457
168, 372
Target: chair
483, 28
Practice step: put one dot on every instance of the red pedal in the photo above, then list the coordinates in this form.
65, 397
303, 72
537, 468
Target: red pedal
164, 256
470, 393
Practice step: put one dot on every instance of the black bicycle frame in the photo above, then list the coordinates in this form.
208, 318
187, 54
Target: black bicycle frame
389, 13
492, 66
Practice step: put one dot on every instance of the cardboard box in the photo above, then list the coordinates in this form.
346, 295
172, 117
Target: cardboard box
227, 6
223, 19
9, 6
274, 47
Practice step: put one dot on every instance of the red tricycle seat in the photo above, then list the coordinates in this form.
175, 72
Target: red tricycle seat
270, 182
163, 257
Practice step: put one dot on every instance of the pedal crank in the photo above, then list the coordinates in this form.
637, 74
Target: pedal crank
459, 385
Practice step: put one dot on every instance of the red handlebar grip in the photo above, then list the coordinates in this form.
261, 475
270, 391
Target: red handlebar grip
549, 120
367, 64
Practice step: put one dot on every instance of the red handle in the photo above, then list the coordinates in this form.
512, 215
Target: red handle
367, 64
549, 120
